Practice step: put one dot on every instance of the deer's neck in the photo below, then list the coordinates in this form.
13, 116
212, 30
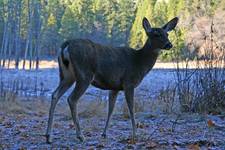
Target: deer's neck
147, 55
150, 48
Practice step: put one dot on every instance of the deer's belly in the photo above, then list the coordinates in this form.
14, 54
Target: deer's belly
106, 84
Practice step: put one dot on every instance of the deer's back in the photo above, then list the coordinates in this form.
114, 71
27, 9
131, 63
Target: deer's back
108, 65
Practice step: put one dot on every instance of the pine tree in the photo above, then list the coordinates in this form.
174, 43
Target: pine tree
137, 34
78, 19
126, 15
111, 19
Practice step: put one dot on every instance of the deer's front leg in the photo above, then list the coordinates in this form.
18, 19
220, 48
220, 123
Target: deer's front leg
129, 95
111, 104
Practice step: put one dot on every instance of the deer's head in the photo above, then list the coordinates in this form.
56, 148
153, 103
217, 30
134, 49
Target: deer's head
158, 37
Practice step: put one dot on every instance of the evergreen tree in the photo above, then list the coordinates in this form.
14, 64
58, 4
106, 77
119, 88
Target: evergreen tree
29, 25
111, 19
137, 34
78, 19
69, 25
126, 18
99, 33
53, 11
1, 21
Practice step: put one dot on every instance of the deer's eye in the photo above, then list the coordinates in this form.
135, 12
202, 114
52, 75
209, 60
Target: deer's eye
157, 34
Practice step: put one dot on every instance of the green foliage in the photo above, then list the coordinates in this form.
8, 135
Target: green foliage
51, 20
177, 37
158, 13
113, 22
112, 18
126, 17
110, 13
1, 21
213, 4
137, 33
77, 19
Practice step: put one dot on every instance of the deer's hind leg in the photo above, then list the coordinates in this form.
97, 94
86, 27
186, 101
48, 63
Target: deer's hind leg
80, 88
64, 85
66, 81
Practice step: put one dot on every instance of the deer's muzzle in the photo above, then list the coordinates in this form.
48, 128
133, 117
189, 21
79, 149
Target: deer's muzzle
168, 46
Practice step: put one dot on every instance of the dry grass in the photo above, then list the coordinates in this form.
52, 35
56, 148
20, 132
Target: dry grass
166, 101
93, 108
14, 104
139, 106
200, 88
11, 103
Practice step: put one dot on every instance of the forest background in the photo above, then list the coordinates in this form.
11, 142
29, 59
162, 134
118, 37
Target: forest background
32, 30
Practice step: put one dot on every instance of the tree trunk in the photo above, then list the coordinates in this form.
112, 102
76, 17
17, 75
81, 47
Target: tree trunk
38, 24
3, 44
29, 35
17, 32
7, 34
5, 47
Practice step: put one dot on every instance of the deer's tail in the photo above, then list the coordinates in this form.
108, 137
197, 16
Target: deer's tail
64, 50
63, 60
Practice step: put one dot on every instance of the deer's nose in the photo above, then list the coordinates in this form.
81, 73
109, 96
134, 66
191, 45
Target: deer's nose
168, 46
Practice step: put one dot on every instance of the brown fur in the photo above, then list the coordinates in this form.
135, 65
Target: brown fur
110, 68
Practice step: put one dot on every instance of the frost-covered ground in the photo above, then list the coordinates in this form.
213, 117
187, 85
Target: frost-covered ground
44, 82
24, 127
23, 121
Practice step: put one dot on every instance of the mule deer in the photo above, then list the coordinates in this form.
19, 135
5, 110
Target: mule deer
109, 68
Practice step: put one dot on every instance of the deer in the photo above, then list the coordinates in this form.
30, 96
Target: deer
115, 69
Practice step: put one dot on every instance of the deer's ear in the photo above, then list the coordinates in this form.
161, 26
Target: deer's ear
146, 25
171, 24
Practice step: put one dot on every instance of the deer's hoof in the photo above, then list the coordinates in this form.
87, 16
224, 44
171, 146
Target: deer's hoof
81, 138
48, 139
133, 141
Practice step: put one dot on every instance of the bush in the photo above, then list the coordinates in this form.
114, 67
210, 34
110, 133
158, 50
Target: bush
203, 89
